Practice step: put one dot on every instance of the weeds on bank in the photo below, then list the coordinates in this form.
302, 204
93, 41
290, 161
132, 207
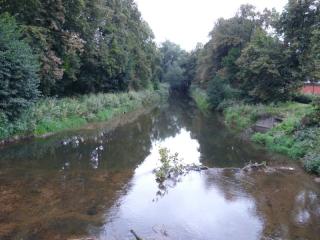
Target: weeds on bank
293, 137
52, 115
201, 99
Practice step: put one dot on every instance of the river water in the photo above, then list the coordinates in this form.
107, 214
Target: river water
99, 183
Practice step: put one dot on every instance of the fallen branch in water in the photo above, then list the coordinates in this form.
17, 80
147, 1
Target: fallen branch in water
263, 167
172, 167
172, 170
255, 166
135, 235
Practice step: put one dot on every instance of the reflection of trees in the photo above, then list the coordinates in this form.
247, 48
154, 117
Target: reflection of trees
127, 144
288, 203
43, 205
47, 187
228, 182
169, 121
58, 182
219, 147
51, 188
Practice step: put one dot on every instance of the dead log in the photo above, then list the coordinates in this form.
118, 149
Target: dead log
135, 235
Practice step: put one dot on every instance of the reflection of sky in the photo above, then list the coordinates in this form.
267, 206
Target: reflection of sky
191, 210
182, 143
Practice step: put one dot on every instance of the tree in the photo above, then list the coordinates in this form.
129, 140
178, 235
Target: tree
87, 46
190, 68
295, 26
230, 67
217, 91
174, 62
227, 39
263, 74
315, 55
19, 68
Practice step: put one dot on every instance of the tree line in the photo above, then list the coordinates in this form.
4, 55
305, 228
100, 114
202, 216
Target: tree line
71, 47
74, 47
261, 56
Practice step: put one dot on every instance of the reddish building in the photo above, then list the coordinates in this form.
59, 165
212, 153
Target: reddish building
311, 88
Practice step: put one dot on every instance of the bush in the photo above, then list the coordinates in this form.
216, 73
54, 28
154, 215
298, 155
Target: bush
52, 115
225, 104
303, 98
313, 118
312, 163
219, 91
18, 70
201, 99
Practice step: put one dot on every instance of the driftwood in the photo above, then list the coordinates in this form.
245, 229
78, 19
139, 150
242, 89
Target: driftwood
135, 235
255, 166
263, 167
90, 238
176, 171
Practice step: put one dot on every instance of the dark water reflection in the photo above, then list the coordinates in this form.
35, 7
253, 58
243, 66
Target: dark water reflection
99, 182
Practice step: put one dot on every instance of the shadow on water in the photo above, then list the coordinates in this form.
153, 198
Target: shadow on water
99, 182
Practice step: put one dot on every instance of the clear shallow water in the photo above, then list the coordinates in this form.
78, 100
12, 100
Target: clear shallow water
99, 182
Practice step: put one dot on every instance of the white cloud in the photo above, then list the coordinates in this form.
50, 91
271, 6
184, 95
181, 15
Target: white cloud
187, 22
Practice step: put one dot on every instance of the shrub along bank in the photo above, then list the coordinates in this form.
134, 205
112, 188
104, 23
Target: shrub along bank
201, 99
297, 136
51, 115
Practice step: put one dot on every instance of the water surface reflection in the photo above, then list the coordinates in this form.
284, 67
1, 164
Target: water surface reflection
99, 182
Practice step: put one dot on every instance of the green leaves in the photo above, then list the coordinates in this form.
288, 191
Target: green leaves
87, 46
263, 73
296, 25
177, 66
18, 70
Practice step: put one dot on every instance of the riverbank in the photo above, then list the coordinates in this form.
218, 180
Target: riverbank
52, 115
81, 182
291, 136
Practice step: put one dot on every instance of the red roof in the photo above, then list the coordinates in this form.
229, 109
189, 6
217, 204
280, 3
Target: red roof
311, 89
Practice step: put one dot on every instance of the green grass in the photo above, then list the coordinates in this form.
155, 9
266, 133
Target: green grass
242, 116
201, 99
51, 115
291, 137
50, 126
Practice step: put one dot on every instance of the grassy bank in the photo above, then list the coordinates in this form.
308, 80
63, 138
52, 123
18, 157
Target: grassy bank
291, 137
53, 115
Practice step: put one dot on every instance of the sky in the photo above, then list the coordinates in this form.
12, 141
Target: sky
187, 22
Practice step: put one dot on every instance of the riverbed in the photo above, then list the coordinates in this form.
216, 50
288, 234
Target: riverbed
99, 183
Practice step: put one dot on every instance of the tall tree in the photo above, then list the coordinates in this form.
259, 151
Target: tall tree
18, 70
263, 74
88, 45
296, 25
228, 36
174, 63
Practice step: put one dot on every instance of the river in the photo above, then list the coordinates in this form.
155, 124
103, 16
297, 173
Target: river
99, 183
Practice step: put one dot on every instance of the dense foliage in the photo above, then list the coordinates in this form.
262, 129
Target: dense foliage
254, 65
18, 70
177, 66
265, 55
297, 23
263, 74
50, 115
87, 46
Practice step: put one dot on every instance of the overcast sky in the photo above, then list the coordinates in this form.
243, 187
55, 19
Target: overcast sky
187, 22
